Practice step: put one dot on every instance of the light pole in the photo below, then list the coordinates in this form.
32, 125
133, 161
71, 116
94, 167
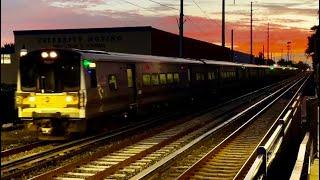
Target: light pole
288, 50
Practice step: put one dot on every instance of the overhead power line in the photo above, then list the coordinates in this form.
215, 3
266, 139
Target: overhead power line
138, 6
163, 4
201, 10
195, 25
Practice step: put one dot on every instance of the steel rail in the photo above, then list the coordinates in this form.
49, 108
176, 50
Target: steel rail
211, 153
168, 159
9, 152
131, 159
279, 127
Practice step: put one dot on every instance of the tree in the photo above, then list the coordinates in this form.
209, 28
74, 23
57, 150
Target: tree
259, 59
282, 62
270, 62
301, 65
7, 49
313, 45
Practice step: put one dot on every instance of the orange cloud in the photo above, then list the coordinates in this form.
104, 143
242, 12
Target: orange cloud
18, 16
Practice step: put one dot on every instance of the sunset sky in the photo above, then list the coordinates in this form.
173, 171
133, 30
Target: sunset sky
290, 20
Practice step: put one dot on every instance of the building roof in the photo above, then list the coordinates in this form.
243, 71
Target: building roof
83, 30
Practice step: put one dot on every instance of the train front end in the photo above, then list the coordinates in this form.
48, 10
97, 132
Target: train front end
49, 96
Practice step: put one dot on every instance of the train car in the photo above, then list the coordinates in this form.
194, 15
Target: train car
60, 90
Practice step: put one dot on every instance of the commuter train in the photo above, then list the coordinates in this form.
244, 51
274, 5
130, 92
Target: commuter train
60, 90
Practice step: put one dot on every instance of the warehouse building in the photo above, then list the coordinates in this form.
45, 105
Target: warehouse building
137, 40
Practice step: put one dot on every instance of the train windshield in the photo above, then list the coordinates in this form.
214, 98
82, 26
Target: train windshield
50, 75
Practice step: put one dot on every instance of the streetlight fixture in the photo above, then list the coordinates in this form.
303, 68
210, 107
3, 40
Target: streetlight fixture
23, 51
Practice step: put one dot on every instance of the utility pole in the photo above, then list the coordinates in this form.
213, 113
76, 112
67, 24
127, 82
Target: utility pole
268, 41
181, 30
251, 58
232, 52
223, 41
263, 52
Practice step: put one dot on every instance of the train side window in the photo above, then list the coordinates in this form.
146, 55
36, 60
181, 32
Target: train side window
112, 81
163, 79
209, 76
129, 77
155, 79
93, 78
224, 75
198, 76
146, 79
169, 78
176, 77
189, 75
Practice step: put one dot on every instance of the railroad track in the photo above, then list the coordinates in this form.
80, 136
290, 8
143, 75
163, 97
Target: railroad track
26, 165
219, 156
20, 166
20, 149
130, 159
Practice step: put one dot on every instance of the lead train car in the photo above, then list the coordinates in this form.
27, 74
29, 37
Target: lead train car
60, 90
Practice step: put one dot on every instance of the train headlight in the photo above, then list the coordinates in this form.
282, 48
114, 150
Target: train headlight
32, 99
44, 55
69, 98
19, 100
53, 54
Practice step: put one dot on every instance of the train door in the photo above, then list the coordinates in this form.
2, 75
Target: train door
132, 85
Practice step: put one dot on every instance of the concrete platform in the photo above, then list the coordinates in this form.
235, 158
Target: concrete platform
314, 174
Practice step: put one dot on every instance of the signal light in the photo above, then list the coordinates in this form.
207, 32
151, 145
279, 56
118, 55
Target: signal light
271, 67
92, 65
86, 63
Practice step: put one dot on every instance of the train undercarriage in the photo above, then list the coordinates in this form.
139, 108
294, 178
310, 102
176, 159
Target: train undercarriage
57, 128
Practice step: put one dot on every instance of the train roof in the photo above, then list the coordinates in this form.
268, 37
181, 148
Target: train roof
124, 57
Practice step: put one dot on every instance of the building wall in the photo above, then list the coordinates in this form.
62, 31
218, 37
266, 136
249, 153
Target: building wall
9, 72
137, 42
167, 44
241, 57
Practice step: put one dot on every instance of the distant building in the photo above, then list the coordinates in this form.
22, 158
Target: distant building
8, 65
136, 40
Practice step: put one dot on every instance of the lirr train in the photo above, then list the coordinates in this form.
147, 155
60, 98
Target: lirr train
60, 90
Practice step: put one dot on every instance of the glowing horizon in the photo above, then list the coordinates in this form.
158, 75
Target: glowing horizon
290, 20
